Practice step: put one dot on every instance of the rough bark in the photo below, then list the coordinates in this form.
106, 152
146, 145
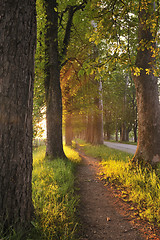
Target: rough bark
17, 47
148, 149
52, 85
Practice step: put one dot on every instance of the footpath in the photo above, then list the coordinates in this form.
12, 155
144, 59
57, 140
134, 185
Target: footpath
102, 214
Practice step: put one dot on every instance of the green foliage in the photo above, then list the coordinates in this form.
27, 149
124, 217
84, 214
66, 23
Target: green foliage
53, 195
141, 186
119, 100
40, 62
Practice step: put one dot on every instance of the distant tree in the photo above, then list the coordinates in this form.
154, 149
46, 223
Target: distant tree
97, 115
68, 91
119, 104
18, 38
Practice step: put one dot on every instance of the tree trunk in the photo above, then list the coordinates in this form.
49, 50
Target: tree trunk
116, 135
108, 135
89, 128
123, 132
127, 135
135, 131
18, 38
98, 117
148, 149
116, 131
68, 130
52, 85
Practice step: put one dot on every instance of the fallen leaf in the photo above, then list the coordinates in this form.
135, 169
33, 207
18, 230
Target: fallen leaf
108, 219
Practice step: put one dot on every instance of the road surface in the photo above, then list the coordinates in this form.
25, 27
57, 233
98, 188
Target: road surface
121, 146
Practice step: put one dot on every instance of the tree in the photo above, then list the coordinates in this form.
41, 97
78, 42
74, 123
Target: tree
97, 121
119, 103
118, 24
148, 149
52, 84
56, 59
67, 85
18, 37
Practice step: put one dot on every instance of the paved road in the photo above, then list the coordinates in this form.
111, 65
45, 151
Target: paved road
121, 146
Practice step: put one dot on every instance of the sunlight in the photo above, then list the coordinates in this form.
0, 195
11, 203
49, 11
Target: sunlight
42, 125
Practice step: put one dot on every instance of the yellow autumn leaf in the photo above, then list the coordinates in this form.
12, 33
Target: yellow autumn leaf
137, 71
148, 71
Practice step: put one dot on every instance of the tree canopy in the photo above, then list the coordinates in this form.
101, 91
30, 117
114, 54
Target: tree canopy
113, 27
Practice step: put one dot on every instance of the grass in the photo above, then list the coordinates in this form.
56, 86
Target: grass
53, 197
140, 186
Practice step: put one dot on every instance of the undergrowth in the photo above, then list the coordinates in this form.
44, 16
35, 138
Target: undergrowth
138, 185
53, 197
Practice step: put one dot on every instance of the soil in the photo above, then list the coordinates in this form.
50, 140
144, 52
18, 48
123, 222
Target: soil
102, 213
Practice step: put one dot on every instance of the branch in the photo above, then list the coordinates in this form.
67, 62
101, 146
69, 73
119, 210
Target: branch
70, 59
62, 14
71, 12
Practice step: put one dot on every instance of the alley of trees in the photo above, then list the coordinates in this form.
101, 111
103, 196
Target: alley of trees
96, 76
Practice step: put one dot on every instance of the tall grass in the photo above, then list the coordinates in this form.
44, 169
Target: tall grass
53, 195
141, 186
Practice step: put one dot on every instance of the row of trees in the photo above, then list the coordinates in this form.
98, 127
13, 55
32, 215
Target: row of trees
86, 44
112, 101
114, 32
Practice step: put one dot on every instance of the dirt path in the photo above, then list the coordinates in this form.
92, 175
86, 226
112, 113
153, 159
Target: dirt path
104, 216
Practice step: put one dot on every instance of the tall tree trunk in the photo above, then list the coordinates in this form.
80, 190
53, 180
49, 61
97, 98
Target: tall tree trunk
148, 149
123, 132
127, 134
98, 117
116, 131
116, 135
17, 40
68, 129
135, 131
89, 129
52, 85
55, 60
108, 135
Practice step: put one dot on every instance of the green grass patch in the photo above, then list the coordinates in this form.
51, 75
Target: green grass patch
103, 152
53, 195
141, 186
